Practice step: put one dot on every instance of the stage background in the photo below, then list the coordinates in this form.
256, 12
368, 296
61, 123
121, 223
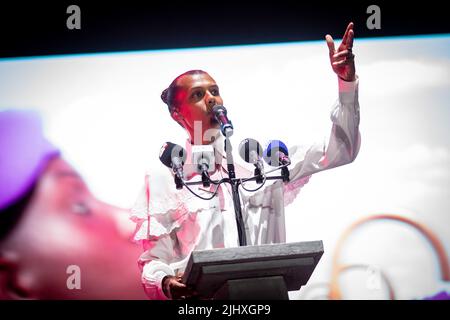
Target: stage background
104, 112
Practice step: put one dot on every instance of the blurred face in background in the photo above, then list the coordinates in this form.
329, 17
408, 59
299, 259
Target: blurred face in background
64, 225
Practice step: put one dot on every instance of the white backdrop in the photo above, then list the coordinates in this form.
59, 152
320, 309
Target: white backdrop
105, 113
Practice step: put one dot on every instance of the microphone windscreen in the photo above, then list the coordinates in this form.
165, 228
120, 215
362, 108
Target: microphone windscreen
218, 108
170, 150
248, 148
270, 154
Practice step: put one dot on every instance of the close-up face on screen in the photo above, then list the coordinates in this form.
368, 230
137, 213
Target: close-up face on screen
196, 162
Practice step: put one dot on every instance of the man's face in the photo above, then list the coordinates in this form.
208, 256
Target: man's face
199, 93
64, 225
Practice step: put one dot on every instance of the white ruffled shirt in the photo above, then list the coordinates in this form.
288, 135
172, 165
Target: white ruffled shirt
171, 223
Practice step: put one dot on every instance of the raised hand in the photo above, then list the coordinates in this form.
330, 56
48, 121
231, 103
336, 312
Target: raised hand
343, 60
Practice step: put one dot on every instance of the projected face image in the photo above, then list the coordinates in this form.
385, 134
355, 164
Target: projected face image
197, 95
67, 245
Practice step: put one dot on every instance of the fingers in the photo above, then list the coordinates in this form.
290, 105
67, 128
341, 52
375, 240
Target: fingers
342, 57
346, 60
351, 35
178, 285
340, 63
330, 44
166, 287
345, 53
347, 31
173, 287
179, 290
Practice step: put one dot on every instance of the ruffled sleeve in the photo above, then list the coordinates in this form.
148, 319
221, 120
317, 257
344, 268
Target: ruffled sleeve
159, 212
159, 208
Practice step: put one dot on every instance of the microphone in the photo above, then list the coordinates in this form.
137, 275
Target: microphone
251, 151
203, 157
277, 153
226, 127
174, 156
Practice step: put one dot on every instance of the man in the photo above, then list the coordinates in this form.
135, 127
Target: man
172, 223
57, 241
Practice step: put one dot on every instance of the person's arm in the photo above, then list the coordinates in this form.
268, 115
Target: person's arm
159, 240
158, 277
156, 268
344, 142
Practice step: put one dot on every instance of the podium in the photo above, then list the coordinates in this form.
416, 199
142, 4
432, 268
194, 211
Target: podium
263, 272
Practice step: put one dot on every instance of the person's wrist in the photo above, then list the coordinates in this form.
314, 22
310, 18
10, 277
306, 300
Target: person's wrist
348, 80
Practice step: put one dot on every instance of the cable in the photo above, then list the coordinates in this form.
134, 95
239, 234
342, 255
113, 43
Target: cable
242, 181
275, 169
203, 198
263, 183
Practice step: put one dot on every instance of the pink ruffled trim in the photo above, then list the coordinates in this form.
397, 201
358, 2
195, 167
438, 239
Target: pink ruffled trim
292, 189
156, 218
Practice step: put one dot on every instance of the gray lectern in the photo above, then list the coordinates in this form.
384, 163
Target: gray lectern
265, 272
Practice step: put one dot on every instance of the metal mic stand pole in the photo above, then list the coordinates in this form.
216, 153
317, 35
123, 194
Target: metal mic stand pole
235, 193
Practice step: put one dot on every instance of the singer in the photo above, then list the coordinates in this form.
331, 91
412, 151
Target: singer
172, 223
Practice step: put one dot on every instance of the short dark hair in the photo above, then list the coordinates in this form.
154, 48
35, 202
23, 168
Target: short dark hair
169, 94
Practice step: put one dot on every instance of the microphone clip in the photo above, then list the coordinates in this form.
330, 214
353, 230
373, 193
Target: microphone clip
178, 182
258, 175
204, 159
285, 174
205, 176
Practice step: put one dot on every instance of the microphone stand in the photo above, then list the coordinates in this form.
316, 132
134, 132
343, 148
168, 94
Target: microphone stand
235, 193
235, 183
